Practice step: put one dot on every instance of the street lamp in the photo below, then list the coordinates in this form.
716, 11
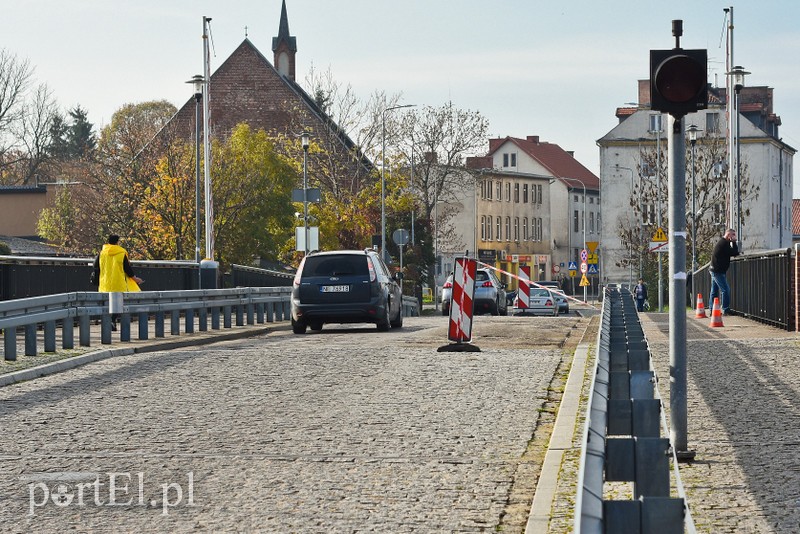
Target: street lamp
655, 129
584, 220
304, 139
737, 75
693, 129
197, 82
383, 177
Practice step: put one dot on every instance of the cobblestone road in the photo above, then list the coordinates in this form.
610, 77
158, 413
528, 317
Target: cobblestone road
337, 431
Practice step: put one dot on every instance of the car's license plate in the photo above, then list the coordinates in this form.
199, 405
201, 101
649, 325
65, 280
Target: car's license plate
335, 289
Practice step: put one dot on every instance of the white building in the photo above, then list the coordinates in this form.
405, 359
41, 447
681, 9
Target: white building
536, 205
769, 164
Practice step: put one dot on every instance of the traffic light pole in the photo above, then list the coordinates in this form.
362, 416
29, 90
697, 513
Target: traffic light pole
677, 294
678, 86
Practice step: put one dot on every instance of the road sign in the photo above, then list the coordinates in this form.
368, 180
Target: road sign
593, 269
584, 281
658, 246
592, 246
584, 254
584, 267
593, 259
572, 273
401, 236
573, 266
660, 236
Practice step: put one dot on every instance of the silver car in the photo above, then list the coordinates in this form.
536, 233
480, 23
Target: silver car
541, 302
561, 298
490, 295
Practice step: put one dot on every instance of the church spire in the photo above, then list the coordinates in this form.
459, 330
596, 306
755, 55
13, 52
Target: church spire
284, 46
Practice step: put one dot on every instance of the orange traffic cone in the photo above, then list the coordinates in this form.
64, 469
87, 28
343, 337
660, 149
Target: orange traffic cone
716, 313
701, 309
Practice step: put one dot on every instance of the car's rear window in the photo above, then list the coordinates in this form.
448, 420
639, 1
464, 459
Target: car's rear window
481, 276
344, 265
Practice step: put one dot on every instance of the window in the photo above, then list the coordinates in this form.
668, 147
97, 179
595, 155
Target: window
539, 229
483, 228
516, 193
488, 184
499, 228
508, 228
499, 190
655, 122
539, 194
514, 159
591, 200
591, 222
505, 160
525, 233
575, 198
508, 191
488, 228
575, 222
525, 193
649, 214
719, 213
516, 229
712, 123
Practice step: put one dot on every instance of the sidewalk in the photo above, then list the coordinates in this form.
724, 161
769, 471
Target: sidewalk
743, 422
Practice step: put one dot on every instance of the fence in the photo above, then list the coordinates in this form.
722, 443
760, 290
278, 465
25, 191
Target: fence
762, 287
622, 435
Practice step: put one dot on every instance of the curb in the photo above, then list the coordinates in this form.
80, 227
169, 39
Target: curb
561, 440
200, 338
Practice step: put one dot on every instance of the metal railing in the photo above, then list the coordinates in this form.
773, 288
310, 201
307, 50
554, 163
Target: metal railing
762, 287
200, 306
622, 435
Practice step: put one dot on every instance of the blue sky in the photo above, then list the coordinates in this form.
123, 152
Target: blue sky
553, 69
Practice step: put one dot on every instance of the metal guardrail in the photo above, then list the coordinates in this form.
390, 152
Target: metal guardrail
64, 310
249, 304
622, 436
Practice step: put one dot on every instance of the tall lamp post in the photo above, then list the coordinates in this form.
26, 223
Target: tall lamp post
656, 130
383, 177
737, 75
304, 140
693, 141
197, 81
584, 221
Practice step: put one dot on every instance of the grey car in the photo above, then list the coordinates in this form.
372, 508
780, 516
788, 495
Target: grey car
345, 286
490, 295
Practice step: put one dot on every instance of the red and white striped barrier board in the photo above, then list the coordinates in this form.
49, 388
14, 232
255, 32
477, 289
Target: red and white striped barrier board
524, 291
460, 327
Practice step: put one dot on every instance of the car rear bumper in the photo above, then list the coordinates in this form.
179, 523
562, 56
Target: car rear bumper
368, 312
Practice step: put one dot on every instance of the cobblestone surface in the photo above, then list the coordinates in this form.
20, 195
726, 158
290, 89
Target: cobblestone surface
743, 422
337, 431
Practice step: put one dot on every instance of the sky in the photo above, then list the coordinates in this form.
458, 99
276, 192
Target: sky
557, 70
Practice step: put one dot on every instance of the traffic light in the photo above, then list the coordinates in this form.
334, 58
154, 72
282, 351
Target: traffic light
678, 81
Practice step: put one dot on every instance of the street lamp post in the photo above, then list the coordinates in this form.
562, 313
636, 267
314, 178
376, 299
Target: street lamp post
304, 139
656, 130
584, 221
383, 177
693, 141
197, 81
737, 74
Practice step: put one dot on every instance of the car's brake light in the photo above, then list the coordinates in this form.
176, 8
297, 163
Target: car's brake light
487, 283
447, 285
372, 276
299, 272
549, 302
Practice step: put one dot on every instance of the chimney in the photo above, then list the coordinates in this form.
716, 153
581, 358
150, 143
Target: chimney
644, 93
533, 139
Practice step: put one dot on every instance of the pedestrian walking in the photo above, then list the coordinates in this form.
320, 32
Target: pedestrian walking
640, 292
724, 250
114, 272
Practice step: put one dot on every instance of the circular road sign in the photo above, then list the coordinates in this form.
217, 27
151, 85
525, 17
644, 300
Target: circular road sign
584, 255
584, 267
401, 236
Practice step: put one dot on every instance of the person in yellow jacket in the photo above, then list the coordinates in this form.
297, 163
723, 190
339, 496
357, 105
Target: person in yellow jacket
115, 273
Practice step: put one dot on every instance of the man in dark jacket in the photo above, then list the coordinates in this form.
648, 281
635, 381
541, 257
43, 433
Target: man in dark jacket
640, 292
724, 250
